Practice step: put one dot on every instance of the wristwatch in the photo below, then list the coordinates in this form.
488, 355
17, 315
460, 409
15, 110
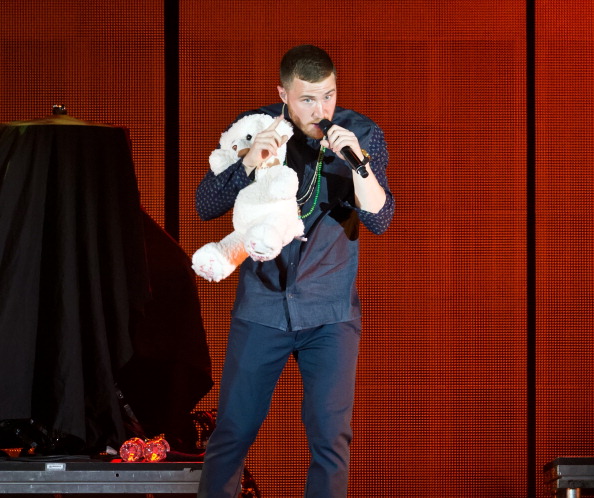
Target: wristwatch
366, 157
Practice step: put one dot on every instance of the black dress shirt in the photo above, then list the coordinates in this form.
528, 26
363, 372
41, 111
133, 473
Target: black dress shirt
310, 283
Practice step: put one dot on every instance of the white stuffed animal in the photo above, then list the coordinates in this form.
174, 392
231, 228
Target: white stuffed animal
265, 214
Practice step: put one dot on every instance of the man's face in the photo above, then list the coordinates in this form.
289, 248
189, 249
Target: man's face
308, 103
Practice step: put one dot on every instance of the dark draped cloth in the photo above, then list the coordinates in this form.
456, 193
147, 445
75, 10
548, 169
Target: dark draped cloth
170, 370
73, 271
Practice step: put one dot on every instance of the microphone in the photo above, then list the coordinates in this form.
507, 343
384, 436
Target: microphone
355, 163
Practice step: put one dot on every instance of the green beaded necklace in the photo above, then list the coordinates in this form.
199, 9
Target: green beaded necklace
317, 179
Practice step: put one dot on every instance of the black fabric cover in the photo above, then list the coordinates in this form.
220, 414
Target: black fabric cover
72, 271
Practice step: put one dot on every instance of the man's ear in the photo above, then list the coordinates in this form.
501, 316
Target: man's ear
282, 94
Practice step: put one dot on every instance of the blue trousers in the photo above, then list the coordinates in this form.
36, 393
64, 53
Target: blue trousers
256, 355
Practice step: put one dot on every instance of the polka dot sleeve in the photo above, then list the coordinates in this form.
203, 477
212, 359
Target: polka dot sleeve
216, 193
378, 223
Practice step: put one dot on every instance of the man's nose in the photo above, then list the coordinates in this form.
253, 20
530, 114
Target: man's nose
319, 110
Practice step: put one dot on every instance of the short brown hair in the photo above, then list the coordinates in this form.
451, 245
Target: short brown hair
306, 62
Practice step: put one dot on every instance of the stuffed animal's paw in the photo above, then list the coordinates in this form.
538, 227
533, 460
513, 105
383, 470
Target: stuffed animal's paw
263, 243
209, 263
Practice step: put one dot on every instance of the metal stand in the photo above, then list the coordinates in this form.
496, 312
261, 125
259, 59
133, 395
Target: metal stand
568, 476
99, 477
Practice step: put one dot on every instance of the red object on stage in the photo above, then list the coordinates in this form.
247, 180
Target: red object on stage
133, 450
140, 450
156, 449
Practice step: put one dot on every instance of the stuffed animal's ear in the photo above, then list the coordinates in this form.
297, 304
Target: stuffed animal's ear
221, 159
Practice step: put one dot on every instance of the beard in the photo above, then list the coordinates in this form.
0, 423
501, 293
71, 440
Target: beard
310, 129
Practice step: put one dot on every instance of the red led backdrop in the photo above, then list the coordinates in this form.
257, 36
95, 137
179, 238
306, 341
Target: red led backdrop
565, 224
442, 398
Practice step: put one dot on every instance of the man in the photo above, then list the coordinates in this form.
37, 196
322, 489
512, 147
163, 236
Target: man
304, 303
